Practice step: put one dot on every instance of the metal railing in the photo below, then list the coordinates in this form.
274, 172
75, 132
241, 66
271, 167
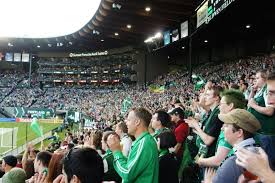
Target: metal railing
22, 148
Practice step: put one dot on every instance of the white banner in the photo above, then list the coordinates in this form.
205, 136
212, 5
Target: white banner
17, 57
184, 29
25, 57
202, 14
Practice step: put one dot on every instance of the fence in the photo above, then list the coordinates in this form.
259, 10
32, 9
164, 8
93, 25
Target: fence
22, 148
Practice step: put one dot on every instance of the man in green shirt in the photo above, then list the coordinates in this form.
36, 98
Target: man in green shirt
161, 121
142, 164
260, 105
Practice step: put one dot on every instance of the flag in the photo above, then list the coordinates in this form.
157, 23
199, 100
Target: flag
36, 127
200, 82
157, 89
126, 104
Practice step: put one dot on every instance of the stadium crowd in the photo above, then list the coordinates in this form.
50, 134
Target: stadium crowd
219, 132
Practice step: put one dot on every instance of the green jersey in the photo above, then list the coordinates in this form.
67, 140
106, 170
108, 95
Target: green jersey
142, 165
223, 143
159, 131
109, 172
267, 122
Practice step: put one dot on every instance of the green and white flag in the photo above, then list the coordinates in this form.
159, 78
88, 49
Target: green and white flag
36, 127
200, 82
126, 104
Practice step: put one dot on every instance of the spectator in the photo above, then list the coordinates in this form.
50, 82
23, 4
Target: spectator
8, 163
142, 164
239, 128
126, 141
42, 161
109, 172
168, 164
258, 106
181, 131
161, 121
15, 175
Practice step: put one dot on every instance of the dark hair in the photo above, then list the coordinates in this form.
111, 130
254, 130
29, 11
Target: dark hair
29, 168
271, 76
144, 115
97, 136
164, 118
217, 90
246, 134
167, 140
123, 127
263, 73
245, 84
235, 97
235, 86
85, 163
107, 134
55, 166
44, 157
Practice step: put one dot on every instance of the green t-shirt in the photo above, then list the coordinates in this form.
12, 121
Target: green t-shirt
223, 143
110, 174
267, 122
210, 126
157, 132
142, 165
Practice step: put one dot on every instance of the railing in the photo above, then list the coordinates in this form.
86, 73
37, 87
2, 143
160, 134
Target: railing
22, 148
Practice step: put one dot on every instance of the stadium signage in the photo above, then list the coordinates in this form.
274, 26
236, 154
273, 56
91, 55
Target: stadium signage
217, 6
39, 112
92, 54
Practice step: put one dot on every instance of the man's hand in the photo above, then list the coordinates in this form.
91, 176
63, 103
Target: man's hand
114, 143
193, 123
252, 103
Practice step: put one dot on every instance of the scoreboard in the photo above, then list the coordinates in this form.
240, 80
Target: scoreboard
217, 6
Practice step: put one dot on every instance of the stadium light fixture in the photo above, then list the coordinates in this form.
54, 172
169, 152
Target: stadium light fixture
116, 34
10, 45
206, 41
149, 40
248, 26
157, 35
147, 8
59, 22
129, 26
38, 46
102, 40
183, 47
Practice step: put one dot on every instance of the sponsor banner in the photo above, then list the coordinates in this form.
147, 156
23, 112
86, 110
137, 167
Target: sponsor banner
202, 14
7, 119
92, 54
217, 6
184, 29
30, 112
29, 120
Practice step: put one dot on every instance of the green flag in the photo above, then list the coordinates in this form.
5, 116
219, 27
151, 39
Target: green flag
36, 127
199, 84
126, 104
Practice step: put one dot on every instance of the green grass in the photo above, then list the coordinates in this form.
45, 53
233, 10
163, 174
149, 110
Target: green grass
22, 131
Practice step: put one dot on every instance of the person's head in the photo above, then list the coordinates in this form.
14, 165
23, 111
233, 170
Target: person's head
121, 128
260, 79
239, 125
176, 114
83, 165
55, 166
160, 120
244, 87
105, 137
15, 175
212, 96
138, 120
232, 99
96, 137
271, 89
166, 140
42, 161
8, 163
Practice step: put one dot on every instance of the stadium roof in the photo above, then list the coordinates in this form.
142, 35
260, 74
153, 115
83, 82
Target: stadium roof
116, 23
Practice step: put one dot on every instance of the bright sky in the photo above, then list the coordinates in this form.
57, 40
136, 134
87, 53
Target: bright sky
44, 18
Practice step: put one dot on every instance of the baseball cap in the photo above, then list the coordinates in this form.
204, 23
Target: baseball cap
241, 118
177, 111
